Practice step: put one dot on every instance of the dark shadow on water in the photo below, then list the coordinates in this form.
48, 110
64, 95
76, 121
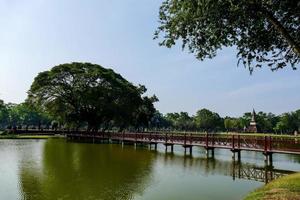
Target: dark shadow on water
86, 171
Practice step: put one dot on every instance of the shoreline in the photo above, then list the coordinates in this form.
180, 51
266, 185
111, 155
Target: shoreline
284, 188
29, 136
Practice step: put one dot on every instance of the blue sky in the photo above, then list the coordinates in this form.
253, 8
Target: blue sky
36, 35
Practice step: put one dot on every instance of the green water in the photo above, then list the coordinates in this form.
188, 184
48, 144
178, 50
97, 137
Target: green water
57, 169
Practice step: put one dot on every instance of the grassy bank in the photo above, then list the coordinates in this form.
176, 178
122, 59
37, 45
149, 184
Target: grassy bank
233, 133
27, 136
285, 188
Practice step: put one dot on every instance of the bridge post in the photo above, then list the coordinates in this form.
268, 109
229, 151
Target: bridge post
270, 143
210, 149
266, 144
166, 147
239, 155
232, 142
267, 151
233, 170
190, 149
206, 140
232, 148
166, 138
239, 141
266, 176
238, 152
268, 158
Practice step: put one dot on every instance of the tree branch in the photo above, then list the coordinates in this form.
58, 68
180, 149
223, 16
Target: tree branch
281, 29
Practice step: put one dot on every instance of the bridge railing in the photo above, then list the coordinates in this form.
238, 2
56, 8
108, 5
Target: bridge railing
231, 141
254, 142
288, 144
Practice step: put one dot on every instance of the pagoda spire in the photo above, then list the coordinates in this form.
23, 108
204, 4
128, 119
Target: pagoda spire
253, 116
253, 126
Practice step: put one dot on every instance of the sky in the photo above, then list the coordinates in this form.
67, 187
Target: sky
36, 35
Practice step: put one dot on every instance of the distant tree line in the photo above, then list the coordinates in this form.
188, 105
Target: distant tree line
206, 120
23, 116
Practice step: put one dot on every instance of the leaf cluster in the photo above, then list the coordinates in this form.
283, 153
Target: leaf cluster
265, 32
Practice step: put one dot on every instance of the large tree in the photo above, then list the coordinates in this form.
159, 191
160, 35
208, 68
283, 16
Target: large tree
84, 93
265, 32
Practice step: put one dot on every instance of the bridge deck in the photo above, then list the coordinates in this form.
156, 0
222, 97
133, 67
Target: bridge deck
265, 144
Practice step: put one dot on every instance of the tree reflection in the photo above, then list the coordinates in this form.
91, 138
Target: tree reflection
86, 171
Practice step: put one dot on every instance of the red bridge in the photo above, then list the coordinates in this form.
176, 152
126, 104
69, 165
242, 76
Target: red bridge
234, 142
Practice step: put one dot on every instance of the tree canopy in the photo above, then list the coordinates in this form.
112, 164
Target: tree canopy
88, 94
265, 32
208, 120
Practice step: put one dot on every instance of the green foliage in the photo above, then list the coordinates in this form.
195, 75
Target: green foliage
4, 115
208, 120
266, 122
234, 124
17, 115
288, 122
181, 121
265, 32
159, 121
145, 112
83, 93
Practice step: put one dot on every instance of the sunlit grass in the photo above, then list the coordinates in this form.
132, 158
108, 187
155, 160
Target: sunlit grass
10, 136
285, 188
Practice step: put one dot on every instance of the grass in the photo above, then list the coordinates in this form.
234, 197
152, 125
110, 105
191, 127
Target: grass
285, 188
10, 136
234, 133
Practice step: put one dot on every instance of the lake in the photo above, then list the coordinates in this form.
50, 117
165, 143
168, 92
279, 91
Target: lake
64, 170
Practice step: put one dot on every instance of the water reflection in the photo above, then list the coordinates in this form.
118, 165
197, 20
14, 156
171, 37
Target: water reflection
235, 169
263, 174
85, 171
